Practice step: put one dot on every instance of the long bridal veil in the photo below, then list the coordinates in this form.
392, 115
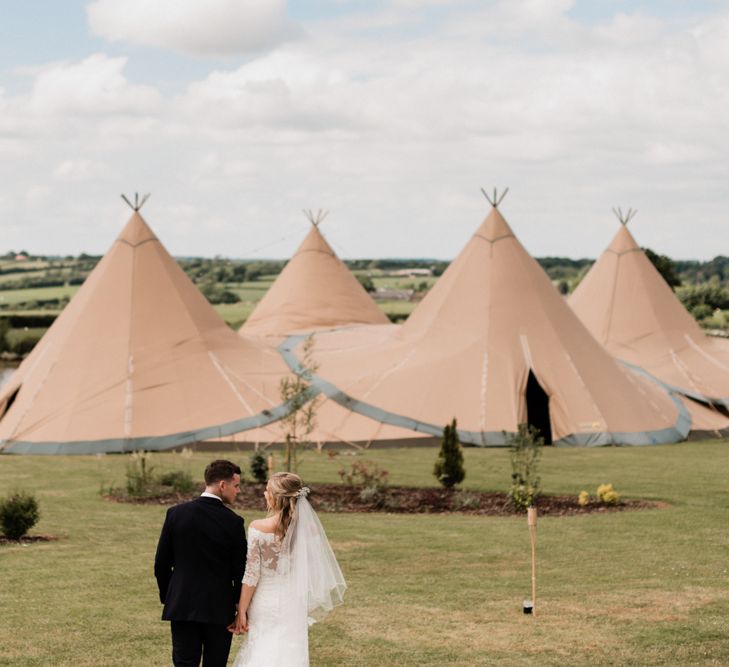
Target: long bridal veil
315, 578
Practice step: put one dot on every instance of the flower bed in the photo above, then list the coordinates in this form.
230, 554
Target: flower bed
407, 500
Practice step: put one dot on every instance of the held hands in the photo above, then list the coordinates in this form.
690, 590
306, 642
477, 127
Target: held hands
240, 625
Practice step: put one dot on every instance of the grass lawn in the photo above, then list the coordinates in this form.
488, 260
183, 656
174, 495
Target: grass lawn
632, 588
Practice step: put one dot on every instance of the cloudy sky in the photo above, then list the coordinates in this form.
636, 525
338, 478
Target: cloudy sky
392, 114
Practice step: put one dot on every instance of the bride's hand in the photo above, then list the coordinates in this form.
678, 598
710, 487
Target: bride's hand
241, 623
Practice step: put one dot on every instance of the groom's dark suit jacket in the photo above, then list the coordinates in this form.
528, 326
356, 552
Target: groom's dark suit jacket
200, 562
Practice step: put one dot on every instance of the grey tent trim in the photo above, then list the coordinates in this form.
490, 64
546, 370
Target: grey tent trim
701, 398
671, 434
150, 443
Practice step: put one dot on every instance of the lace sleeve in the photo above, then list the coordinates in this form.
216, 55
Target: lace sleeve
253, 559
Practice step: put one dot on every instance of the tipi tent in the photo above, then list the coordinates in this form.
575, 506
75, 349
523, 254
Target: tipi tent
314, 291
494, 344
137, 360
628, 306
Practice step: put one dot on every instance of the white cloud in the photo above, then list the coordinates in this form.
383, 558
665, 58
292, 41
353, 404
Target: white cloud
78, 170
201, 27
394, 130
95, 85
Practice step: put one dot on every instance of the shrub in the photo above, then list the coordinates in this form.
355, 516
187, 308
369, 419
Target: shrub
583, 498
372, 495
525, 448
18, 514
366, 282
25, 344
607, 495
719, 320
448, 468
259, 467
711, 294
466, 500
701, 311
180, 480
140, 475
215, 293
4, 329
365, 474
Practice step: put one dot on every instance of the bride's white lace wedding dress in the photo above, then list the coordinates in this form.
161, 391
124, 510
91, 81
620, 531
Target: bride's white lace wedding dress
278, 632
298, 582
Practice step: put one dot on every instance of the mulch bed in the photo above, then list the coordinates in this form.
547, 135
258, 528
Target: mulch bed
28, 539
406, 500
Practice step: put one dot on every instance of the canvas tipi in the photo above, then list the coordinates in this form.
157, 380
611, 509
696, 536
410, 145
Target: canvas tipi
628, 306
137, 360
314, 291
494, 344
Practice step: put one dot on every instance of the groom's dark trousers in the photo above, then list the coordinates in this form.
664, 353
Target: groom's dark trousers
199, 566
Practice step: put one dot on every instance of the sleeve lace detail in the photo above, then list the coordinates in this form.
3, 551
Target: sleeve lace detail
253, 559
263, 556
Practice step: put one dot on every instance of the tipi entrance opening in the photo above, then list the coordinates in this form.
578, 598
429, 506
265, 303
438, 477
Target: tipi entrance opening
537, 402
4, 407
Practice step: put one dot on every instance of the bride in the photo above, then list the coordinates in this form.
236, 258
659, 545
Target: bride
291, 580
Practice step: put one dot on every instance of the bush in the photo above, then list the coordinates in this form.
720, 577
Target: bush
18, 514
583, 499
466, 500
366, 282
180, 480
259, 467
4, 329
372, 495
711, 294
25, 344
607, 495
719, 319
448, 468
140, 473
365, 474
701, 311
525, 448
216, 293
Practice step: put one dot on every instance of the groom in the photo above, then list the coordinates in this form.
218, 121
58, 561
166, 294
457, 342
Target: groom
199, 567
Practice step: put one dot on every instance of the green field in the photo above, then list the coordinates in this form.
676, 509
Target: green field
632, 588
11, 297
14, 335
11, 277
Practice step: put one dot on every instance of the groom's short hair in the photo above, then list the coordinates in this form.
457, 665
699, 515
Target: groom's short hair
220, 469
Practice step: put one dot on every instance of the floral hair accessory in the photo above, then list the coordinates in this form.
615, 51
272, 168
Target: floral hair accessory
303, 492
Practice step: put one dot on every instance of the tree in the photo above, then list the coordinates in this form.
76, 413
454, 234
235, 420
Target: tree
366, 282
448, 468
4, 329
297, 393
711, 294
259, 467
525, 448
665, 266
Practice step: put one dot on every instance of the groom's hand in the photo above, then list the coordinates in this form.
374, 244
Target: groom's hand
240, 624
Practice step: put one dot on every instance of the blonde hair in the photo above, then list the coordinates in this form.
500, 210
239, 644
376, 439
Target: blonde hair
284, 488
